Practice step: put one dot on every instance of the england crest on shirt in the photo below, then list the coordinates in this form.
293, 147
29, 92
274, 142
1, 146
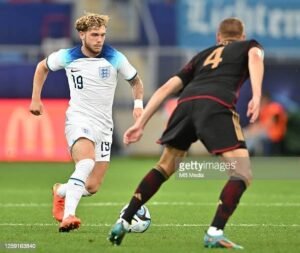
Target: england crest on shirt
104, 72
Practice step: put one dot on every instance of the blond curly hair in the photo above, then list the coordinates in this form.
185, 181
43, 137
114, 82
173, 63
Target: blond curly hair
90, 20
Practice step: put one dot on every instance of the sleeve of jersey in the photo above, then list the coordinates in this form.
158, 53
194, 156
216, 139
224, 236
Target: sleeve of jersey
254, 43
57, 60
125, 68
186, 74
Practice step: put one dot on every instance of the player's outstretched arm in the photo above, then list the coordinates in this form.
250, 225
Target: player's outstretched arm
40, 75
256, 70
172, 86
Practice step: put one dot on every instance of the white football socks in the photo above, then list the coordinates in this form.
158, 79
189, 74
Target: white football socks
213, 231
75, 186
62, 189
73, 196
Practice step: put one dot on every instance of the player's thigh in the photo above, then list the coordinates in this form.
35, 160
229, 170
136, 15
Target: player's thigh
241, 165
83, 148
96, 177
169, 159
80, 138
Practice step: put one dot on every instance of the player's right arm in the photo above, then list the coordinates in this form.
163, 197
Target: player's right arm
40, 75
172, 86
55, 61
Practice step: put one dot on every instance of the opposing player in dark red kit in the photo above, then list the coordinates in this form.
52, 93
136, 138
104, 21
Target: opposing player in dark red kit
209, 88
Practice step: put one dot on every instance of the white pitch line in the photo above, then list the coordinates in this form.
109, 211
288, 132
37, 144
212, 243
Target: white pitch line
153, 225
108, 204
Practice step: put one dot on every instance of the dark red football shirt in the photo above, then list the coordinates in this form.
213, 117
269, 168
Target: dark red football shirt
217, 73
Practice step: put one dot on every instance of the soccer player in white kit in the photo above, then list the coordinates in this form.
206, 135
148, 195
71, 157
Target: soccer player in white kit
92, 69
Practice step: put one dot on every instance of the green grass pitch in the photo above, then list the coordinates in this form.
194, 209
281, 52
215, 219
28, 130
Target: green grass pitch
267, 220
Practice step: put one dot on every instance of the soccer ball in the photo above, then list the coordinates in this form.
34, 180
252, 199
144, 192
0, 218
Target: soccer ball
141, 220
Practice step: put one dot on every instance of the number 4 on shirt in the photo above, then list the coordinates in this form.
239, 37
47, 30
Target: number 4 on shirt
214, 58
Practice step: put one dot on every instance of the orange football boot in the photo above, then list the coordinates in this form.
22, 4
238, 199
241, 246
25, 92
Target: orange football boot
69, 223
58, 204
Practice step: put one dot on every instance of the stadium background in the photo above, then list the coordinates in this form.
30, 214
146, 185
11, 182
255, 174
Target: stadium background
159, 37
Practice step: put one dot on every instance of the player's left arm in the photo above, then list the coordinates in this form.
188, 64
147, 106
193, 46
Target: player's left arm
138, 93
256, 71
172, 86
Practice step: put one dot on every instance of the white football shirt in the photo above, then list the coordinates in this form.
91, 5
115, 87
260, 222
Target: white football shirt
92, 81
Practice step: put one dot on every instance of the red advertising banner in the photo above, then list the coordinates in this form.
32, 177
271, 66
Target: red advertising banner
25, 137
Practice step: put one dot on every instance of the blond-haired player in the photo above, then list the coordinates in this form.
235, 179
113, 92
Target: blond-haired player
92, 69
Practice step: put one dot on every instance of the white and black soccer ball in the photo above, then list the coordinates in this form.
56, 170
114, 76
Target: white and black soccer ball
141, 220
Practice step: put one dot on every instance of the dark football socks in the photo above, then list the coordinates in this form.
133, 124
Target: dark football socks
229, 199
146, 189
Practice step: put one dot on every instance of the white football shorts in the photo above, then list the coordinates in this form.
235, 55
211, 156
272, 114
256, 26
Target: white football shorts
79, 129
